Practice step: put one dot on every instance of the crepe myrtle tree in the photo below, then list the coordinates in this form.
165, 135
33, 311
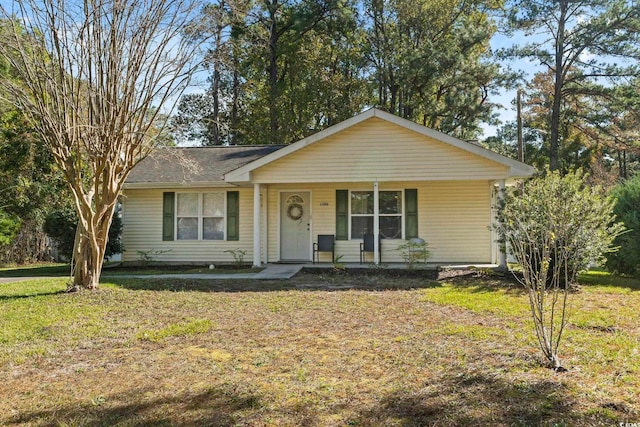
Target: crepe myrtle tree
93, 76
555, 228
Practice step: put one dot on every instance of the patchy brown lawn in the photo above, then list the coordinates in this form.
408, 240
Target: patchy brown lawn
402, 351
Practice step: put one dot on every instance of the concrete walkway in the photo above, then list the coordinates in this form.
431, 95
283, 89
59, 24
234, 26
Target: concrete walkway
271, 272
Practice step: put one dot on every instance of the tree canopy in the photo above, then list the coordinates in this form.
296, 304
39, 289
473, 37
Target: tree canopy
281, 70
588, 50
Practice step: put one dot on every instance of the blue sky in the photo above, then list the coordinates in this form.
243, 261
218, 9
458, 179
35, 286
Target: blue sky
507, 97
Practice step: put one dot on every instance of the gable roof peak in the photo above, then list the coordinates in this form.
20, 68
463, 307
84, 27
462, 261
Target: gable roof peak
516, 168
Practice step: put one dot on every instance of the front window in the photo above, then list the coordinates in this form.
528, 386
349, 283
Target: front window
361, 213
390, 214
187, 216
200, 216
213, 216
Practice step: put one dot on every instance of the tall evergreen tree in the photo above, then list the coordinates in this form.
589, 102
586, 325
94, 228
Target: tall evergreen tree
278, 71
586, 45
432, 61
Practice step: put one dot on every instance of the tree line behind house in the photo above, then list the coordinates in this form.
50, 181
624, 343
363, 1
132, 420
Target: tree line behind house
277, 71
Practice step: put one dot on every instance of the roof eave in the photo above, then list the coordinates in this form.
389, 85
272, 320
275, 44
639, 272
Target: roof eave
521, 170
238, 178
181, 184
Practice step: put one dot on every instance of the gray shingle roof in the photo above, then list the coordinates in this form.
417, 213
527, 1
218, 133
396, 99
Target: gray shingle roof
195, 164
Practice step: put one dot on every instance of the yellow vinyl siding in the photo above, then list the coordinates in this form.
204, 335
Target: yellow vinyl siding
378, 149
142, 231
455, 221
453, 217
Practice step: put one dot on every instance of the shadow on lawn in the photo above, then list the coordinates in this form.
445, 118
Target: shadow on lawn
476, 399
298, 283
599, 277
215, 407
510, 282
24, 296
37, 271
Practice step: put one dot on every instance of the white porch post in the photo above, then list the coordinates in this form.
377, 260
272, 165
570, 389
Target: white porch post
376, 223
502, 253
265, 221
257, 246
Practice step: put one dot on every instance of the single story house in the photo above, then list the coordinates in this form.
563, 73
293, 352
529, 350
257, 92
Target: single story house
375, 173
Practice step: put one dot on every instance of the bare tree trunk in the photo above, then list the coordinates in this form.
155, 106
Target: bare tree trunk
273, 72
85, 272
216, 104
559, 73
90, 243
216, 85
234, 105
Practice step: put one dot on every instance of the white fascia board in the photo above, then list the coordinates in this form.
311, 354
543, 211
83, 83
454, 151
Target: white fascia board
240, 177
181, 184
521, 170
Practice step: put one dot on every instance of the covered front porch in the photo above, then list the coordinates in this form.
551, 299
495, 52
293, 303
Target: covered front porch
453, 217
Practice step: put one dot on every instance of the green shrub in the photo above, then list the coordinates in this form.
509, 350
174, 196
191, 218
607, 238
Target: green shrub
9, 227
414, 252
558, 218
61, 225
627, 208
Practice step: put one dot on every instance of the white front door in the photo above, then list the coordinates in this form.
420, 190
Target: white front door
295, 230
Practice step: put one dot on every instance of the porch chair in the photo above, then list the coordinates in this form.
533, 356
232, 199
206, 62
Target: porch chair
326, 243
367, 246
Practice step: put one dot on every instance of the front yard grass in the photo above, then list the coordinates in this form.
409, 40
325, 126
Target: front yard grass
382, 351
116, 269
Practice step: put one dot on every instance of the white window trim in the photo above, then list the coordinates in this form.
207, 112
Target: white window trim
200, 217
404, 209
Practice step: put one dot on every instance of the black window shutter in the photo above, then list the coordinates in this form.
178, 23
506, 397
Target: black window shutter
342, 214
168, 206
233, 215
411, 214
